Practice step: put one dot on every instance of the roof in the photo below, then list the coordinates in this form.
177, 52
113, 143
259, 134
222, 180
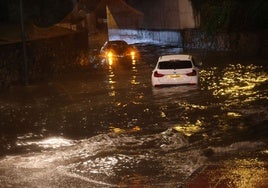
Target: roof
175, 57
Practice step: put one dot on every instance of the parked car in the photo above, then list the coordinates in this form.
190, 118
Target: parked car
117, 50
175, 69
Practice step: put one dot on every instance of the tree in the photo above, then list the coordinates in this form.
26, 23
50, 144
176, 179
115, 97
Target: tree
231, 15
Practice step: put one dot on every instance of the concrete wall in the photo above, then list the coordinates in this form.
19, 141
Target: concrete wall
171, 37
166, 14
122, 16
46, 57
147, 22
187, 18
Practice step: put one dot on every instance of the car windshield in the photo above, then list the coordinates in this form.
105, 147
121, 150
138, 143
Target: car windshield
174, 64
117, 44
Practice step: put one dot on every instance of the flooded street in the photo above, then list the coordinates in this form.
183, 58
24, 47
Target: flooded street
108, 127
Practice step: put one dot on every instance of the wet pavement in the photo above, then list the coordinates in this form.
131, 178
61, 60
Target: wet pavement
107, 126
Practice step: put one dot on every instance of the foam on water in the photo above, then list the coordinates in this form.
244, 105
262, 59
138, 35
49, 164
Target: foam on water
105, 156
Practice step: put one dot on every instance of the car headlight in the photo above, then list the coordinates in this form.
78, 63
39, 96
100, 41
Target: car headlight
109, 54
132, 55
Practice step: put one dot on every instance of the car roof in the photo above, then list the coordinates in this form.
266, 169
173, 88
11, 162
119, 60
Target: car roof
117, 41
170, 57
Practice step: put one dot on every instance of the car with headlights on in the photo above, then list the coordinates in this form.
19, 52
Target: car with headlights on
175, 69
118, 50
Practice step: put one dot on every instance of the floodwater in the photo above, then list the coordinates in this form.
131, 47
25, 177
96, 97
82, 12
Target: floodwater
108, 127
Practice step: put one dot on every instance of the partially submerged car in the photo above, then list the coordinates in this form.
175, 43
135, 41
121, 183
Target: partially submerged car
175, 69
117, 50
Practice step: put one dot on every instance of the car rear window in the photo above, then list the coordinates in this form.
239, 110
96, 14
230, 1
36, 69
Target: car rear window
174, 64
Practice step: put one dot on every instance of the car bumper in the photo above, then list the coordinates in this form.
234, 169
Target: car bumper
183, 80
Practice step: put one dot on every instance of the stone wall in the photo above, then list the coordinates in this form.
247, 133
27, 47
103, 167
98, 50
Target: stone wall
45, 57
241, 44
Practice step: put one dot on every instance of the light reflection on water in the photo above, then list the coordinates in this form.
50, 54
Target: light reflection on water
242, 173
134, 71
238, 83
116, 155
215, 107
106, 158
111, 82
189, 129
52, 142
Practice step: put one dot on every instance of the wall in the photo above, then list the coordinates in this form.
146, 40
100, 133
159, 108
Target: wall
122, 16
242, 44
143, 21
166, 14
46, 57
171, 37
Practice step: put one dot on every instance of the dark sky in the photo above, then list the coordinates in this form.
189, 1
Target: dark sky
243, 13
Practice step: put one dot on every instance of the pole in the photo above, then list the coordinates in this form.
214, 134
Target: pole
25, 78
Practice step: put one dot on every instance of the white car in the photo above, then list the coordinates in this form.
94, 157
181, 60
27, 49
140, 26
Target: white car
176, 69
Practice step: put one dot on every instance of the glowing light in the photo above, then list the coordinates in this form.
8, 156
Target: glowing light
133, 54
110, 61
236, 82
53, 142
120, 130
242, 173
163, 115
189, 129
109, 56
233, 114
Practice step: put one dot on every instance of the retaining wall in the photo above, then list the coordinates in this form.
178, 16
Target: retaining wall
240, 44
170, 37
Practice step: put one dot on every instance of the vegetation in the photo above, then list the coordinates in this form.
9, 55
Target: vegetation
216, 15
231, 15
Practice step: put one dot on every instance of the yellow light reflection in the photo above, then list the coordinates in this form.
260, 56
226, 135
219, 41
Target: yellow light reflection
121, 130
242, 173
189, 129
111, 75
163, 115
133, 80
110, 61
237, 82
109, 57
233, 114
133, 55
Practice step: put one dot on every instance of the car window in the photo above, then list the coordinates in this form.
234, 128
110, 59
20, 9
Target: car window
174, 64
117, 43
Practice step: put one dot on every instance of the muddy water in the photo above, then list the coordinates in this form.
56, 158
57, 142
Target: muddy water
109, 128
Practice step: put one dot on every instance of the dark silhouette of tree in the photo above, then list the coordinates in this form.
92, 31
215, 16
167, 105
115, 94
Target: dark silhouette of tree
232, 15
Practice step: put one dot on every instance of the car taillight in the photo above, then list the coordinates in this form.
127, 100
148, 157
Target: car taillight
193, 73
156, 74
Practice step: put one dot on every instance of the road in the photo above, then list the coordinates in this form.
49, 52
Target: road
108, 127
